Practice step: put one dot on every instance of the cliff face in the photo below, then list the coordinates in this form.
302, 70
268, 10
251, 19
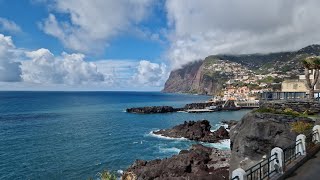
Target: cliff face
182, 80
201, 77
194, 78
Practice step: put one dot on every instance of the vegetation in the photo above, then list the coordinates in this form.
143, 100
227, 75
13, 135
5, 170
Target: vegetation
287, 111
270, 80
129, 176
301, 127
106, 175
311, 67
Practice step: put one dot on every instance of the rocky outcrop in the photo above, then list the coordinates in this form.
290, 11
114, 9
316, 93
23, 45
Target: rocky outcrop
256, 134
152, 109
202, 105
199, 162
198, 131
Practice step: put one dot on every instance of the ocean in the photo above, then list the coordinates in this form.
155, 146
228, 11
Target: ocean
76, 135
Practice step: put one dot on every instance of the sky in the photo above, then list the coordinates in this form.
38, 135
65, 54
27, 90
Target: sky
130, 45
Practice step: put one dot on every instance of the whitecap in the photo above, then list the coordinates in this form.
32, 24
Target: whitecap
164, 137
217, 126
222, 144
120, 171
169, 150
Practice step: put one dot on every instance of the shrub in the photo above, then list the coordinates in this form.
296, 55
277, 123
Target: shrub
301, 127
289, 111
106, 175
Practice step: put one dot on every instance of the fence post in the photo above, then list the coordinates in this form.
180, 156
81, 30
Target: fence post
301, 144
316, 138
240, 173
277, 164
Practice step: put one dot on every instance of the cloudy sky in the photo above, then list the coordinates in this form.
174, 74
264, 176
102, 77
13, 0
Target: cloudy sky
134, 44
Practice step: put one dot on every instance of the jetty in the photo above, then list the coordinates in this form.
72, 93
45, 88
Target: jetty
199, 110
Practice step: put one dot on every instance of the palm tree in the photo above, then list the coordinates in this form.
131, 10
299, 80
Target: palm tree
311, 67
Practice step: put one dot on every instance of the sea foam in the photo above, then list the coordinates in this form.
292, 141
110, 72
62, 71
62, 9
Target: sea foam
164, 137
169, 150
222, 144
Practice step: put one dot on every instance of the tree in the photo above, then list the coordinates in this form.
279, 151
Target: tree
311, 67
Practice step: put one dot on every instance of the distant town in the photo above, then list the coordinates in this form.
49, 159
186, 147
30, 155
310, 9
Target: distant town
247, 85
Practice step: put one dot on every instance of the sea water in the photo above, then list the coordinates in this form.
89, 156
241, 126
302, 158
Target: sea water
76, 135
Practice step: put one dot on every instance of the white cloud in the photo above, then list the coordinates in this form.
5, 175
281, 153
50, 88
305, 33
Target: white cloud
150, 74
69, 69
42, 70
9, 68
9, 26
92, 24
205, 27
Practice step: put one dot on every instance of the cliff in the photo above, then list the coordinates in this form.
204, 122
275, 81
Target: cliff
194, 78
203, 77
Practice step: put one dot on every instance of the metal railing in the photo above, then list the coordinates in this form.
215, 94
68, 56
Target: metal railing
235, 178
270, 166
290, 154
263, 169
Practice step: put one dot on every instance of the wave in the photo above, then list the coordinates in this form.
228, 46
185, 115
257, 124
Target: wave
120, 171
169, 150
222, 144
164, 137
217, 126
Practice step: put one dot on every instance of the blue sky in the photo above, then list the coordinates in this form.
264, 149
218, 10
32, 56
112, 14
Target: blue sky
133, 45
27, 14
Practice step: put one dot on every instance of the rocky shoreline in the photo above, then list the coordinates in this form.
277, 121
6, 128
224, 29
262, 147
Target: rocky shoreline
199, 162
153, 109
188, 107
195, 130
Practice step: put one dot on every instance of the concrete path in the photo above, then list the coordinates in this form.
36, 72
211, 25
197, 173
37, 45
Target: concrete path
309, 170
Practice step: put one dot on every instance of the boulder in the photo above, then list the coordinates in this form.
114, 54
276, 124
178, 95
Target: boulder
256, 134
195, 130
199, 162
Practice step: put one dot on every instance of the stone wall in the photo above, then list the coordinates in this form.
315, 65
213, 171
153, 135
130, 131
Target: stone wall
313, 107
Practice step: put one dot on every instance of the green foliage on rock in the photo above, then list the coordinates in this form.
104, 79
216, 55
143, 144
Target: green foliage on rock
106, 175
287, 111
301, 127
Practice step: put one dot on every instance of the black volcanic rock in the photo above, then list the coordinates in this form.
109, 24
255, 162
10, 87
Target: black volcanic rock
230, 123
257, 133
199, 162
195, 130
152, 109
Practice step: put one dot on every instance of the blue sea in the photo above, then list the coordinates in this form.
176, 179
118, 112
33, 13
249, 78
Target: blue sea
76, 135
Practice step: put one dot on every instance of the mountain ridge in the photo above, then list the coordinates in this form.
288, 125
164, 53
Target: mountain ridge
202, 77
